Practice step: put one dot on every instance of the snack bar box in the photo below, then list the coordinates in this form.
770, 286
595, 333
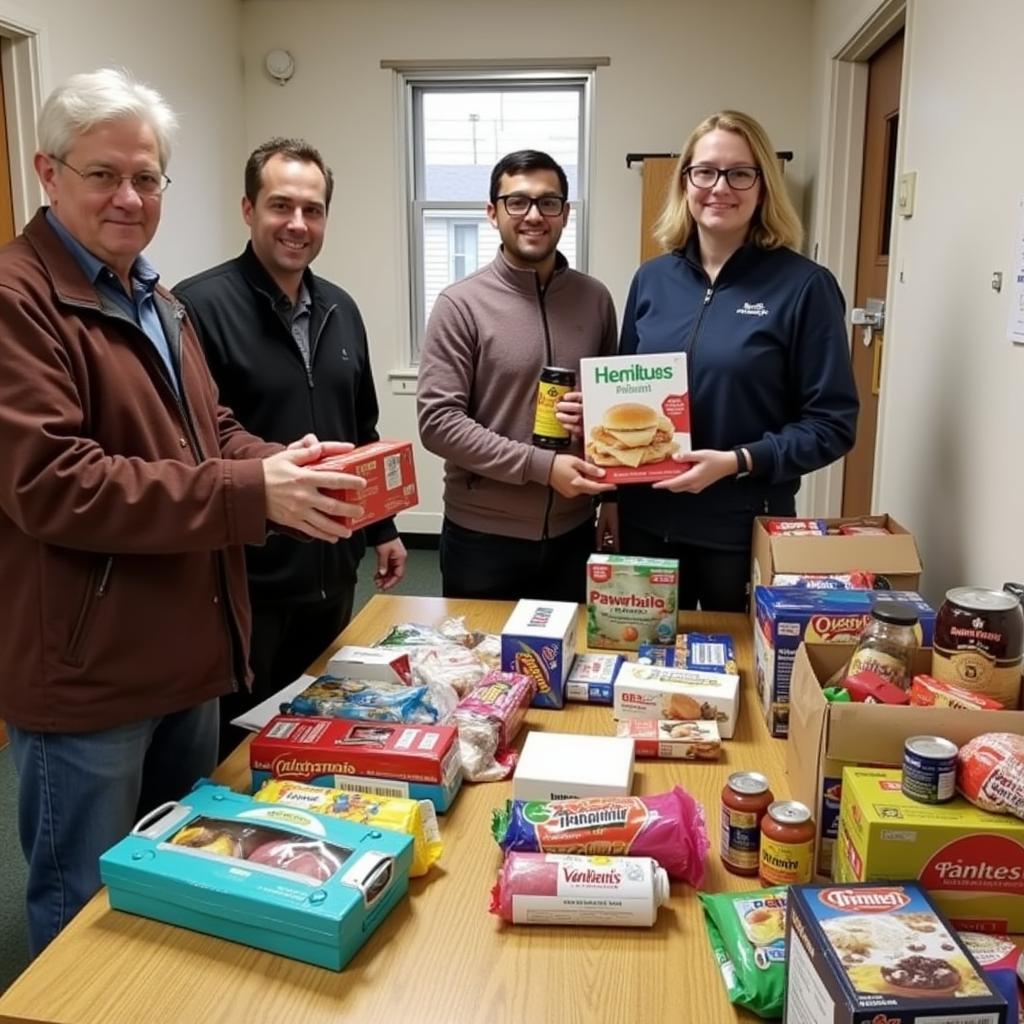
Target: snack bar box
539, 641
970, 861
417, 761
880, 954
786, 616
277, 878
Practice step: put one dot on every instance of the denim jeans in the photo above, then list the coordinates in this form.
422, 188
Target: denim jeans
79, 793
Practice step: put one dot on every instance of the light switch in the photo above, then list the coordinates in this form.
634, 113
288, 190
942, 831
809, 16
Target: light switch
905, 188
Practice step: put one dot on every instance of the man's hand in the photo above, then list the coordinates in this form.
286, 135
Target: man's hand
295, 495
323, 449
569, 412
702, 469
572, 476
391, 559
607, 533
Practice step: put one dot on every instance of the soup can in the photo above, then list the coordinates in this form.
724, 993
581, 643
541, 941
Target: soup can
929, 769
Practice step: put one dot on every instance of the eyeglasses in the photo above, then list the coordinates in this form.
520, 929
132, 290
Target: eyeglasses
101, 179
518, 205
738, 178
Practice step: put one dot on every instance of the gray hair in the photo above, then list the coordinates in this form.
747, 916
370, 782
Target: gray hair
95, 97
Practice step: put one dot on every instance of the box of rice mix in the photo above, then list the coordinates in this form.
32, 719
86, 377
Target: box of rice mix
636, 415
880, 954
631, 601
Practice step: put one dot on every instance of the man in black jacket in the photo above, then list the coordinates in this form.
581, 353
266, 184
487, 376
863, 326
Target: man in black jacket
289, 353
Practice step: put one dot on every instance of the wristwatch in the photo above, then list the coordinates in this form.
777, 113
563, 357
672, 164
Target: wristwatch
742, 463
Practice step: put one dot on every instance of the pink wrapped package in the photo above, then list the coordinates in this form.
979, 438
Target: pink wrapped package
488, 719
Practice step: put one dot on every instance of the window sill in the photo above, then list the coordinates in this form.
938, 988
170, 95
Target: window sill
403, 380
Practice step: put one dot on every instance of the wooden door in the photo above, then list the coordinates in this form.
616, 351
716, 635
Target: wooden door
876, 204
657, 174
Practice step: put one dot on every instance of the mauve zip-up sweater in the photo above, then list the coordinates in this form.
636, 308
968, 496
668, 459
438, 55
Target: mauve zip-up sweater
488, 338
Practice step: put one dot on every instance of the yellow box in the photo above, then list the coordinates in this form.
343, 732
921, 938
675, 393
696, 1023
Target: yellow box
971, 862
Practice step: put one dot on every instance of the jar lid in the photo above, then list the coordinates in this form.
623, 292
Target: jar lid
896, 613
748, 782
980, 599
789, 812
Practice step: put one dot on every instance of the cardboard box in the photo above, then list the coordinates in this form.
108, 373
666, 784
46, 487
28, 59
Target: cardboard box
786, 616
636, 415
390, 476
539, 640
592, 678
631, 601
376, 664
564, 766
687, 741
970, 861
824, 738
703, 652
880, 954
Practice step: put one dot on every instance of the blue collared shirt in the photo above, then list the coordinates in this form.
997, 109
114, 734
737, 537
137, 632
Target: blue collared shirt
140, 306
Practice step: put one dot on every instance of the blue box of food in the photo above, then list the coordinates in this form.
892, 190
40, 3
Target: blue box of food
592, 678
539, 640
702, 652
877, 952
277, 878
788, 616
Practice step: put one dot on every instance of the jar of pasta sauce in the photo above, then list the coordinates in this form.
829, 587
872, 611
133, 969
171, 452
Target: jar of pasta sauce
745, 800
787, 844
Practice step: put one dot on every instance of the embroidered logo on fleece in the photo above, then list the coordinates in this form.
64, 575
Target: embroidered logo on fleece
753, 309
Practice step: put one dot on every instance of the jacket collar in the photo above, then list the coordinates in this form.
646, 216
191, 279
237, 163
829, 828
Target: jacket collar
258, 277
746, 256
525, 280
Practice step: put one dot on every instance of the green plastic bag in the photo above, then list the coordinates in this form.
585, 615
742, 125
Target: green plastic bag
747, 932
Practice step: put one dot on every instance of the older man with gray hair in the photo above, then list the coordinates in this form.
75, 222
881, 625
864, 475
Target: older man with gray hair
126, 496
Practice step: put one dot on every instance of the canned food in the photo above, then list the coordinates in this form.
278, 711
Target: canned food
787, 844
555, 382
745, 799
929, 769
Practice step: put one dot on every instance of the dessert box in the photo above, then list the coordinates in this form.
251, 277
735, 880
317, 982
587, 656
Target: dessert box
276, 878
390, 475
539, 640
880, 954
631, 601
391, 759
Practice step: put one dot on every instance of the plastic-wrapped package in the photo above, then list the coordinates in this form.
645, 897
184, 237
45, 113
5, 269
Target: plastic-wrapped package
488, 719
453, 665
990, 772
329, 697
412, 634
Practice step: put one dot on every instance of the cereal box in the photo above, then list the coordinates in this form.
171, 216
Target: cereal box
636, 415
631, 601
971, 861
880, 954
539, 641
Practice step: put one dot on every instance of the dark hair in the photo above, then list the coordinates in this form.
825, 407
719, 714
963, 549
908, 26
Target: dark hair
527, 160
290, 149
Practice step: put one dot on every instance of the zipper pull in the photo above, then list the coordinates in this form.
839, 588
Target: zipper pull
105, 578
707, 296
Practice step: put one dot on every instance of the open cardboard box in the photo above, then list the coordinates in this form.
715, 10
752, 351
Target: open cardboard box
824, 737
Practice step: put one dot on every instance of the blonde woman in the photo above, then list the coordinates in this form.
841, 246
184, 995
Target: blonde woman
771, 388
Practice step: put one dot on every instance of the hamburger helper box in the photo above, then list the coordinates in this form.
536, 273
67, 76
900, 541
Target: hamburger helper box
387, 758
786, 616
390, 476
880, 954
636, 415
824, 738
278, 878
539, 641
631, 601
971, 861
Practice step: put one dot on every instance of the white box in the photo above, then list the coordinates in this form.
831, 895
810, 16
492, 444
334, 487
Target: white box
539, 640
659, 692
563, 766
371, 663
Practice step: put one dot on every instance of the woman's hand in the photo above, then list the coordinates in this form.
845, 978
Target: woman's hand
701, 469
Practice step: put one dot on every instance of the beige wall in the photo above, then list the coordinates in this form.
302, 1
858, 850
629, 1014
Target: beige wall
671, 63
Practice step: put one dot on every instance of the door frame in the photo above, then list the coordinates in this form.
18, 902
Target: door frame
837, 222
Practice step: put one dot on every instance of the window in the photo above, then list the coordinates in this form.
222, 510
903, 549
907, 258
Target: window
459, 126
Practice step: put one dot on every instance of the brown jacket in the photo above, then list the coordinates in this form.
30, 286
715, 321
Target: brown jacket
122, 508
488, 338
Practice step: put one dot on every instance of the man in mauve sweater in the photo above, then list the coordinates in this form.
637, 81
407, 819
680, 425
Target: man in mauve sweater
518, 519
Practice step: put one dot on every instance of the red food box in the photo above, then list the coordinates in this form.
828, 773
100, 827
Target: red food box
421, 762
390, 476
926, 691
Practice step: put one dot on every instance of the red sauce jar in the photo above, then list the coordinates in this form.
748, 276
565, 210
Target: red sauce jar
787, 844
745, 800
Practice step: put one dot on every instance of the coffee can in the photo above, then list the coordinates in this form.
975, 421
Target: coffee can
929, 769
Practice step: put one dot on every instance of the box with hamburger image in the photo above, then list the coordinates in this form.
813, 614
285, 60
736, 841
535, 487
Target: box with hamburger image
636, 415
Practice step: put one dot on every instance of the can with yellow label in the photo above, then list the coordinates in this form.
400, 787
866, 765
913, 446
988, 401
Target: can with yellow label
554, 383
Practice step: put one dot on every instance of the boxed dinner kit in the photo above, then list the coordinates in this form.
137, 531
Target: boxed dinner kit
786, 616
418, 761
390, 476
377, 664
277, 878
592, 678
563, 766
880, 954
826, 737
631, 601
636, 415
970, 861
658, 692
539, 641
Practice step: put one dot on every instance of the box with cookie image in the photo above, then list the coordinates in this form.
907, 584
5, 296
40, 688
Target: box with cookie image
677, 694
880, 952
636, 415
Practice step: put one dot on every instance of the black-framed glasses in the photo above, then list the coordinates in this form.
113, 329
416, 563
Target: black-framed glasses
104, 180
519, 205
738, 178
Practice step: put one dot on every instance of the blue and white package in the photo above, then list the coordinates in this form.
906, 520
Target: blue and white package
592, 678
332, 697
702, 652
539, 641
277, 878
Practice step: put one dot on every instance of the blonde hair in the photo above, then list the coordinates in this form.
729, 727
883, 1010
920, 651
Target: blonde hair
775, 222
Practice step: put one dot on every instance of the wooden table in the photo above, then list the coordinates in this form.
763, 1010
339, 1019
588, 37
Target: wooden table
440, 956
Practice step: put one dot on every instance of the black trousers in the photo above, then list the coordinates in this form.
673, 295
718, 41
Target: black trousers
286, 639
717, 581
484, 565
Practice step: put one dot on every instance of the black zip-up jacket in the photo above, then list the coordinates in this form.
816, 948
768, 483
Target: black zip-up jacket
769, 369
241, 317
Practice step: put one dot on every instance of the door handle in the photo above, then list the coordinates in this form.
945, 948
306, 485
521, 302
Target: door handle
870, 316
